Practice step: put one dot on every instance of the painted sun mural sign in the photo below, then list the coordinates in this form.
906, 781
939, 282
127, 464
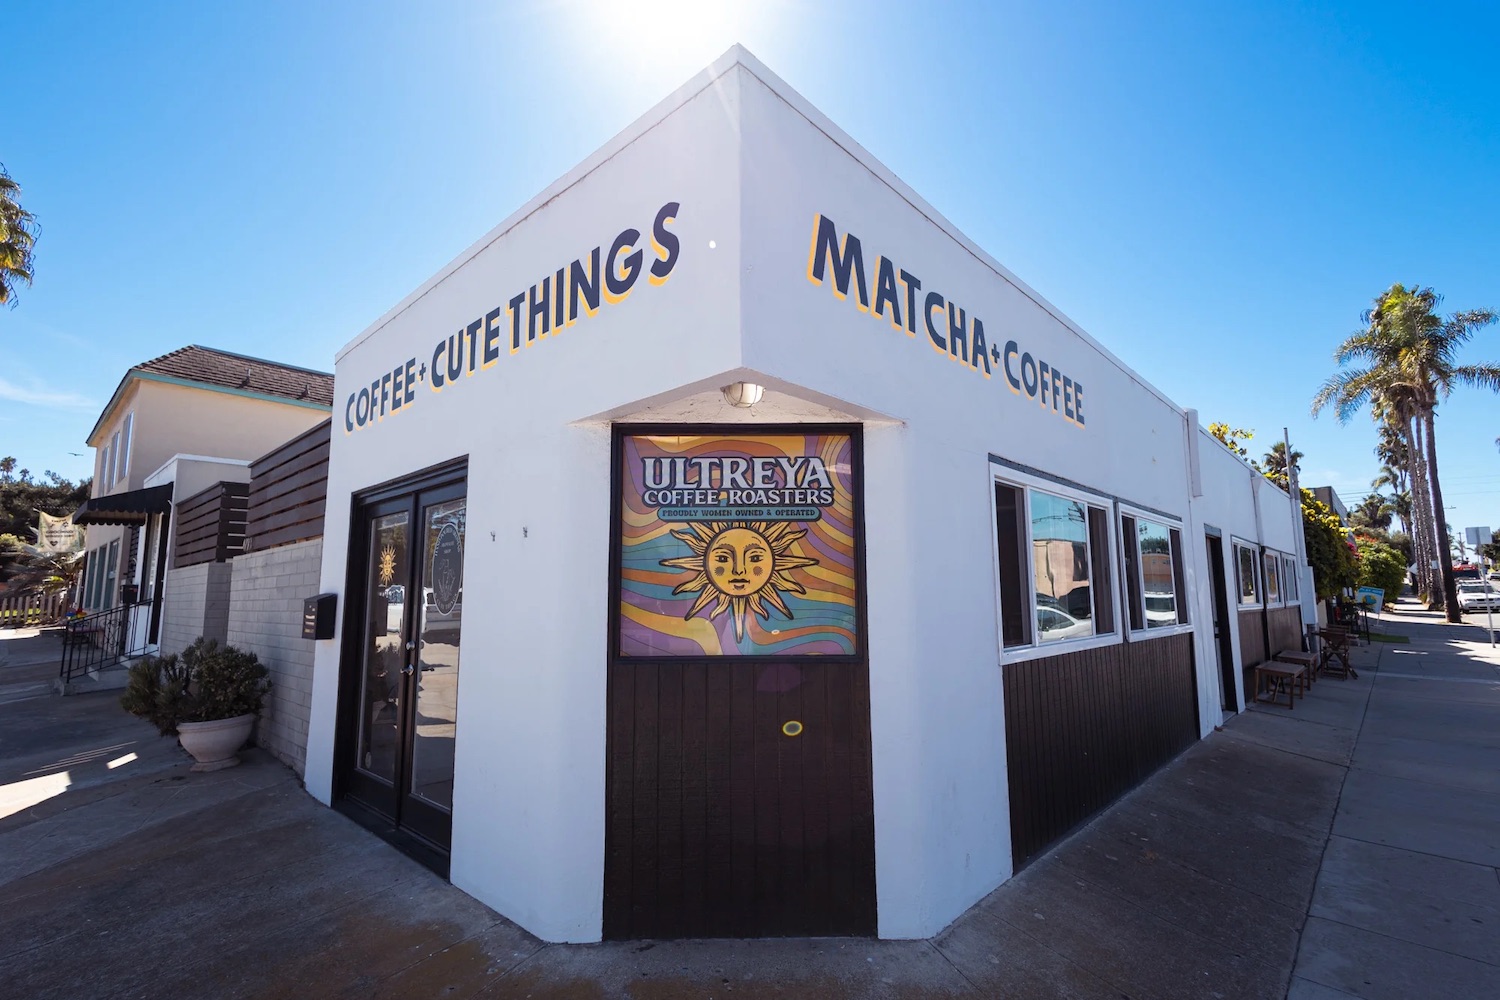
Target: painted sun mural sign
737, 544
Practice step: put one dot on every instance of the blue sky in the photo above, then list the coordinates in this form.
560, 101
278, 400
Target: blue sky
1214, 191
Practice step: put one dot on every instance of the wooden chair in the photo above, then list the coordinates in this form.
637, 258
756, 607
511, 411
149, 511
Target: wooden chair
1335, 644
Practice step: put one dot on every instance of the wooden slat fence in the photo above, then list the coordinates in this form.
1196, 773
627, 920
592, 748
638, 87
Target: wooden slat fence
211, 525
289, 491
19, 610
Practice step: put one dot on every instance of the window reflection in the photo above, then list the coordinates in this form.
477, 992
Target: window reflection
1060, 565
1157, 577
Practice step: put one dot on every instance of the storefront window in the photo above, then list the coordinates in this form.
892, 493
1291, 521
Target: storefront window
1154, 576
1054, 562
1249, 590
1273, 578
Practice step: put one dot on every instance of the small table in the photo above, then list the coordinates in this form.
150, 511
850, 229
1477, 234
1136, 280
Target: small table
1288, 677
1307, 661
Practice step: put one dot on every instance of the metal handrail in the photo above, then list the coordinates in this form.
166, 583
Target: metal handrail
100, 640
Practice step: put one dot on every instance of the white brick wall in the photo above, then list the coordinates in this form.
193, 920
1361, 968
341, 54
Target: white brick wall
195, 602
265, 617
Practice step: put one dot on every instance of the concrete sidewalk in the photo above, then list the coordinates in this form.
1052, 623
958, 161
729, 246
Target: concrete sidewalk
1345, 848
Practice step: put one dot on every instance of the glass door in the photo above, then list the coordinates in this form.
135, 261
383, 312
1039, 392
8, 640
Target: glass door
405, 685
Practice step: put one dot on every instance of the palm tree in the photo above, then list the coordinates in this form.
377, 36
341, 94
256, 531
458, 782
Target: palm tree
17, 237
1408, 357
1374, 511
1275, 463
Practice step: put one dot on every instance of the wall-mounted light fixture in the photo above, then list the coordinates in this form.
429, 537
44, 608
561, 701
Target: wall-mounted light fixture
743, 394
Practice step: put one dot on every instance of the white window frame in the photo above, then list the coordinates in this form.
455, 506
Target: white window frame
1006, 476
1290, 571
127, 431
114, 453
1174, 524
1260, 585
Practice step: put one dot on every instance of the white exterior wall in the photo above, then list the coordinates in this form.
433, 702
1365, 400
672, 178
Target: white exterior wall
752, 166
937, 714
529, 757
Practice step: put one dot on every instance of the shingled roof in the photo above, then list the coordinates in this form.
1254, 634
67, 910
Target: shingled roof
215, 369
237, 371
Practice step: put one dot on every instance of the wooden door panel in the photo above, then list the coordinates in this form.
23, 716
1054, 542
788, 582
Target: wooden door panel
719, 823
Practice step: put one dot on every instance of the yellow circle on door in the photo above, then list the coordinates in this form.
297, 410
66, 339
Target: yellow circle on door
793, 728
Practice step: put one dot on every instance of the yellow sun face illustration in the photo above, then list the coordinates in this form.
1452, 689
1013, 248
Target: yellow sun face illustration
387, 565
739, 567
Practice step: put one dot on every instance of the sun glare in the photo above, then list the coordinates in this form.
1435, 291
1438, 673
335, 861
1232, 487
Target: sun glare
675, 36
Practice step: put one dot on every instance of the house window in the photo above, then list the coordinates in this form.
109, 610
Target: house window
109, 460
1289, 580
1245, 570
125, 430
1273, 578
1054, 559
111, 566
1153, 574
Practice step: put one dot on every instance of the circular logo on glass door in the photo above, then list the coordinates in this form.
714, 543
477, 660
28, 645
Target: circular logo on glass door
447, 569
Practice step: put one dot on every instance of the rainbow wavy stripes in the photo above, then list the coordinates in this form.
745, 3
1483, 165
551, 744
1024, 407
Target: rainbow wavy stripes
655, 622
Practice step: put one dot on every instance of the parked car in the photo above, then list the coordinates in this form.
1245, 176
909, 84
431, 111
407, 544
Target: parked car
435, 621
1477, 595
1054, 624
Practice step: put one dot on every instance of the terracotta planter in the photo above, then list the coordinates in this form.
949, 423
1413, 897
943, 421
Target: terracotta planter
214, 744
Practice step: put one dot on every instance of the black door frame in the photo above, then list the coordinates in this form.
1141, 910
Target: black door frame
1228, 698
426, 845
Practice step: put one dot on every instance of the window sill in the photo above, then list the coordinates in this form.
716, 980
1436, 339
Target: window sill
1146, 635
1021, 654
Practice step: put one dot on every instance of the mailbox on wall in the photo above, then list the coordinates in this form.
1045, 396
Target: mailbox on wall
317, 616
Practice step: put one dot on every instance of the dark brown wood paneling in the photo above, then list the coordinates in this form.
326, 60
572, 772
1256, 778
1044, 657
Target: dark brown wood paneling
1285, 626
1085, 727
719, 824
1252, 638
210, 525
289, 491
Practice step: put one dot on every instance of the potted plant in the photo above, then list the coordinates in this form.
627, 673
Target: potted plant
208, 697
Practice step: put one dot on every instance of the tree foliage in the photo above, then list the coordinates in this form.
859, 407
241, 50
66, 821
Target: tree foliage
1402, 364
1329, 553
1275, 462
1230, 437
18, 232
1380, 566
21, 497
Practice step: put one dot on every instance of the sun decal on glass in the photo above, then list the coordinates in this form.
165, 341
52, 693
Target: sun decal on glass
739, 567
387, 565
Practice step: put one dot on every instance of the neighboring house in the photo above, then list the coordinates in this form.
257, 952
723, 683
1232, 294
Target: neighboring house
1326, 495
175, 425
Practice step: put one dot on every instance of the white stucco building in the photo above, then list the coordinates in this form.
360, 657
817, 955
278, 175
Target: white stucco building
835, 662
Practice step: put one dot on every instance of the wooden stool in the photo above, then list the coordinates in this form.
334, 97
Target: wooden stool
1308, 661
1288, 677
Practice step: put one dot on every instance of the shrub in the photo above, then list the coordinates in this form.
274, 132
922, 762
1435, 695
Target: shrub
205, 683
1381, 566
